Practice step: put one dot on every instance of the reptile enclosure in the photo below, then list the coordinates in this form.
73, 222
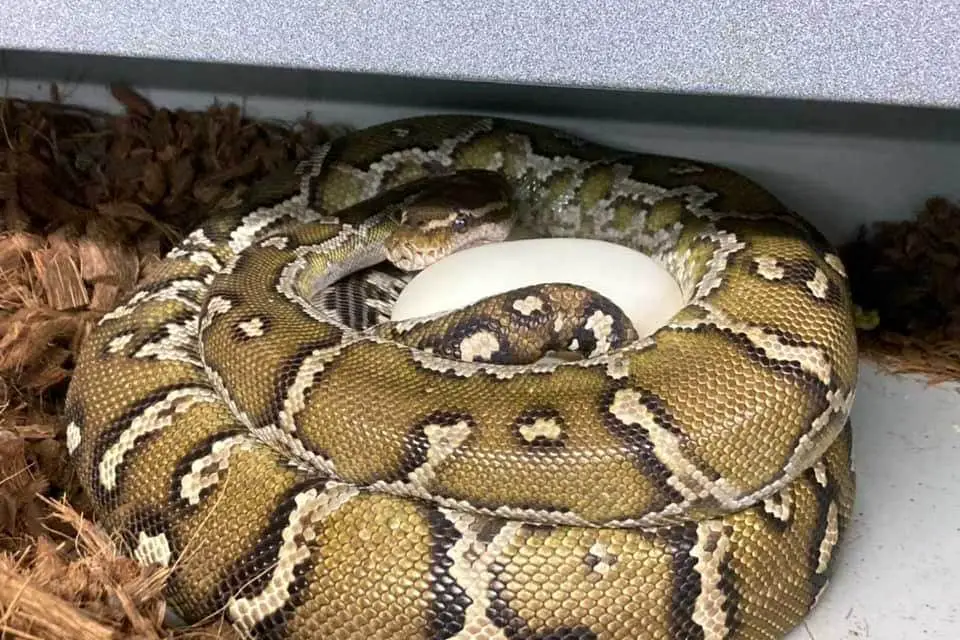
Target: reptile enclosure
850, 113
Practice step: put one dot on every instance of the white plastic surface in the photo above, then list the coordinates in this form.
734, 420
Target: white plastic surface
896, 577
887, 51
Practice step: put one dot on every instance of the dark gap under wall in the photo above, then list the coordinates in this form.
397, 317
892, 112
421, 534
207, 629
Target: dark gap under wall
757, 113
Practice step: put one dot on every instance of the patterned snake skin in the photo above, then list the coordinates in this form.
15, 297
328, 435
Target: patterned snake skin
241, 418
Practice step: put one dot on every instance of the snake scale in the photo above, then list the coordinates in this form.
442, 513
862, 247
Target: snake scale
312, 476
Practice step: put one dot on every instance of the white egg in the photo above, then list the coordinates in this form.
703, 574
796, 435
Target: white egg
643, 289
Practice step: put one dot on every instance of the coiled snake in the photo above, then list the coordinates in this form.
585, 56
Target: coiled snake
246, 418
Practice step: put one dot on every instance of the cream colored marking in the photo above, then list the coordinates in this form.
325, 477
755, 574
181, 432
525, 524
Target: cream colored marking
153, 550
820, 473
372, 179
401, 132
442, 440
255, 221
277, 242
216, 381
205, 472
711, 550
679, 266
601, 324
545, 166
687, 479
545, 516
230, 265
382, 307
618, 366
696, 198
769, 268
439, 223
602, 567
73, 437
198, 238
482, 344
496, 161
480, 212
406, 488
123, 310
252, 328
569, 215
312, 508
812, 444
199, 258
812, 359
172, 292
295, 398
558, 322
660, 242
177, 290
667, 517
218, 305
717, 265
118, 343
819, 285
157, 416
295, 401
835, 263
830, 537
529, 305
548, 428
574, 345
471, 570
294, 448
782, 509
178, 345
605, 560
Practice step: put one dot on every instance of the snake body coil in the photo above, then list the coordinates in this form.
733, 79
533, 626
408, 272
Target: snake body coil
315, 478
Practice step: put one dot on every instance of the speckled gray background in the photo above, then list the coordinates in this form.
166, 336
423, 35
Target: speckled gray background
886, 51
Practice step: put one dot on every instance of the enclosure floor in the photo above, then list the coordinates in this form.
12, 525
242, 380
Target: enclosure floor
896, 577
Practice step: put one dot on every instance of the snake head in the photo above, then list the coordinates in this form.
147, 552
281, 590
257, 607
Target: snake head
452, 212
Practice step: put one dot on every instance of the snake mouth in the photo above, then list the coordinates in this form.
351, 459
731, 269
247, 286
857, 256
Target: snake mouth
411, 259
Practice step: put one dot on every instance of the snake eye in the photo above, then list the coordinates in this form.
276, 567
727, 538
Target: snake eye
459, 223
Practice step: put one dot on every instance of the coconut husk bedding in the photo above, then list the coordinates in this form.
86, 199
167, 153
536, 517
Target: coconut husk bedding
89, 201
906, 282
